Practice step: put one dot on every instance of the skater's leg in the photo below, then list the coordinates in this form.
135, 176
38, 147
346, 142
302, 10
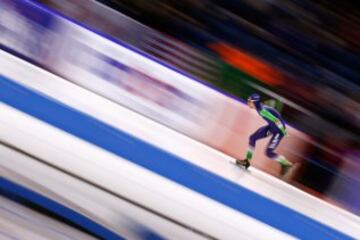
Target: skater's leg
262, 132
270, 152
272, 145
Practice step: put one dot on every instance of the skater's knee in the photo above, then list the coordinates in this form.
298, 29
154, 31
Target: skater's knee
270, 153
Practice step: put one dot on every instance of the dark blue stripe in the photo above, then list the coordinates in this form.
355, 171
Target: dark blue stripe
163, 163
58, 209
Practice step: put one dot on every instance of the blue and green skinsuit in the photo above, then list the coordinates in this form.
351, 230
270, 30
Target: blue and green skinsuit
275, 127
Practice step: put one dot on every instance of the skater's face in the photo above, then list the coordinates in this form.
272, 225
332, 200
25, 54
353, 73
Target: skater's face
251, 104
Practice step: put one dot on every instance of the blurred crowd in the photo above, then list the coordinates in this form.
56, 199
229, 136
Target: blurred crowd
306, 52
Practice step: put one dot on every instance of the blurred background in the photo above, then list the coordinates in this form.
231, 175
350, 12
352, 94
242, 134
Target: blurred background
301, 56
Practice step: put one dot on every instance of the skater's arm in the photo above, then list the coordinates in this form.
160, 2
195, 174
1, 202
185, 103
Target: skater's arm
266, 114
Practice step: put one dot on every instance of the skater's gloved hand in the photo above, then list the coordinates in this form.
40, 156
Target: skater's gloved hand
285, 132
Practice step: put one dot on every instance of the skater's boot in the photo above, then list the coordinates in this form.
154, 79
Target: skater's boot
244, 163
285, 166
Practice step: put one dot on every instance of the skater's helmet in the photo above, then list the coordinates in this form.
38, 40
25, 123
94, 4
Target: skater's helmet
254, 98
254, 101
